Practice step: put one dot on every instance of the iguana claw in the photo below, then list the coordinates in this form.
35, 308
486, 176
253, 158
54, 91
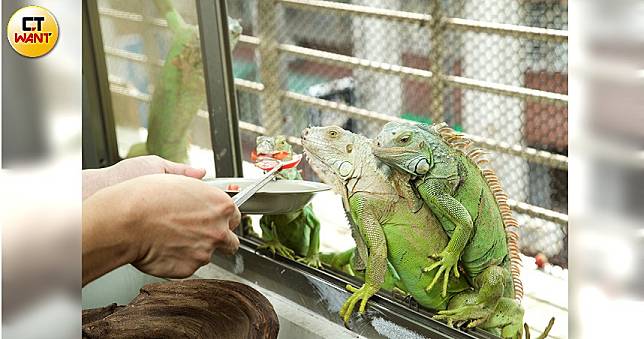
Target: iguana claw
472, 315
448, 262
276, 247
312, 261
363, 293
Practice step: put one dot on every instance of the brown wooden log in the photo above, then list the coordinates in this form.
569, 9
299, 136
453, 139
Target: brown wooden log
186, 309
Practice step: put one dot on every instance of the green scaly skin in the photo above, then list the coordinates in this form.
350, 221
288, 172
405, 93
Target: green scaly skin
292, 234
384, 227
389, 225
452, 185
179, 92
346, 262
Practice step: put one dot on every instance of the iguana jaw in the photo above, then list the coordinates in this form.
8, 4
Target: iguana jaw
400, 145
412, 162
329, 157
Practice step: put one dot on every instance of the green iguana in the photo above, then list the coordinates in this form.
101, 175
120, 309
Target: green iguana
295, 233
179, 91
470, 205
390, 224
384, 226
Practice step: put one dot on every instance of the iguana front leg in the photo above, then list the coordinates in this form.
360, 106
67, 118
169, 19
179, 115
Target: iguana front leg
371, 231
313, 255
437, 194
272, 242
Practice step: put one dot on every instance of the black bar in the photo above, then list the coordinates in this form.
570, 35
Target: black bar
97, 100
301, 284
220, 87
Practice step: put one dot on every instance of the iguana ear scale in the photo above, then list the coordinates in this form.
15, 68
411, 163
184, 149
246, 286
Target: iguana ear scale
349, 148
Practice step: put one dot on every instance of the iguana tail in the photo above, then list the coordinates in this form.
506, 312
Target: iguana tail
337, 260
137, 150
465, 145
545, 331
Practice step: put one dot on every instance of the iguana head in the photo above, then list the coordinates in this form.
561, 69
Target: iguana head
405, 146
234, 30
330, 151
275, 147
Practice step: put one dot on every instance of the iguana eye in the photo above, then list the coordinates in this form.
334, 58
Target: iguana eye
333, 133
404, 139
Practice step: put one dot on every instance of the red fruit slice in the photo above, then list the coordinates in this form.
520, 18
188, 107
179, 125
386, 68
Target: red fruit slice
232, 187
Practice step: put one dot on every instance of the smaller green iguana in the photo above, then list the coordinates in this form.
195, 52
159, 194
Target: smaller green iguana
292, 234
179, 91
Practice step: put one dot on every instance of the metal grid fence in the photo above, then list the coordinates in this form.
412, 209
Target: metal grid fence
496, 70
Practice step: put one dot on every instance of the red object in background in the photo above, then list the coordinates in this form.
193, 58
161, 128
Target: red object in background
232, 187
268, 164
541, 260
280, 155
277, 155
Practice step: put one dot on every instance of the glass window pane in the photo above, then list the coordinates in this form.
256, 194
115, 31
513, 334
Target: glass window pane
156, 80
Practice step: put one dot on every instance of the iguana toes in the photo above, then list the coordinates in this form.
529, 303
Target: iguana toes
467, 199
384, 226
291, 234
179, 90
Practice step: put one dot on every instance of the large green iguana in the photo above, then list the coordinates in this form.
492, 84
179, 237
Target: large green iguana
469, 203
295, 233
179, 91
389, 224
384, 226
289, 238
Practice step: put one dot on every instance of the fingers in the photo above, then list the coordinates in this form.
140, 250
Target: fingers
352, 305
351, 288
183, 169
435, 280
229, 245
196, 173
445, 280
235, 219
363, 305
433, 266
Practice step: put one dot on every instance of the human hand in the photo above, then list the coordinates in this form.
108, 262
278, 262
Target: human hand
170, 224
94, 180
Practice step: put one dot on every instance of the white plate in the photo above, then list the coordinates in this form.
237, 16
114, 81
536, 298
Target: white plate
276, 197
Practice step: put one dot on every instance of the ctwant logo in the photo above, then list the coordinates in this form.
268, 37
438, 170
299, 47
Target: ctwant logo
32, 31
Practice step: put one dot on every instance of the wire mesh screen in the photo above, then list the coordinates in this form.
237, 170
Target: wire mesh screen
495, 70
